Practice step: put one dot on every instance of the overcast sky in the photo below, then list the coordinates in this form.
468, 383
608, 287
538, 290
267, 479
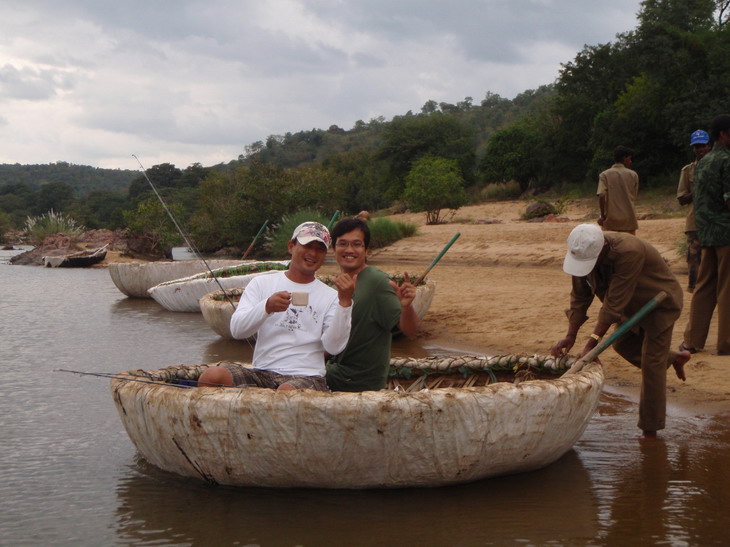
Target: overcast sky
92, 82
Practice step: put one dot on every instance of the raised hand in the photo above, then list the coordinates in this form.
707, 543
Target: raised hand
406, 292
345, 288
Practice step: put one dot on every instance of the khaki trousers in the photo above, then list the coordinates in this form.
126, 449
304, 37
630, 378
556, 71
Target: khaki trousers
650, 352
712, 290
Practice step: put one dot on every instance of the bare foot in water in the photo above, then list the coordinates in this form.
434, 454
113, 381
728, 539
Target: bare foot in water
679, 362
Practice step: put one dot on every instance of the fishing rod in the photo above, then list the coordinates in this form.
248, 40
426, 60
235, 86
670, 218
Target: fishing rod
187, 240
152, 380
112, 376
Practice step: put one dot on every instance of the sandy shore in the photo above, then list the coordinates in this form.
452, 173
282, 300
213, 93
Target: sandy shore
501, 288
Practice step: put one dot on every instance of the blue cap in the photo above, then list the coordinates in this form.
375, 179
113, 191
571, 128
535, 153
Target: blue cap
699, 137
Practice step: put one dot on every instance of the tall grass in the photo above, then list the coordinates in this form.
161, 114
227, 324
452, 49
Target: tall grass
501, 191
39, 227
384, 232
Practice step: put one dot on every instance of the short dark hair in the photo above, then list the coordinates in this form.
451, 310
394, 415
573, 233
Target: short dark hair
347, 225
621, 152
720, 123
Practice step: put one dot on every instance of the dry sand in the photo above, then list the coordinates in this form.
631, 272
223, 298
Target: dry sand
501, 288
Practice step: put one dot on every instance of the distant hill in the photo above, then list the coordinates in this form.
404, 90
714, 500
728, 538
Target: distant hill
82, 178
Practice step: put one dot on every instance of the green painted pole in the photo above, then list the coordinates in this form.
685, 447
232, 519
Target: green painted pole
333, 219
435, 260
261, 231
618, 333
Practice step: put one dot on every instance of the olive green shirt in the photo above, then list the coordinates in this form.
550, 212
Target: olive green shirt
711, 192
365, 363
632, 273
620, 185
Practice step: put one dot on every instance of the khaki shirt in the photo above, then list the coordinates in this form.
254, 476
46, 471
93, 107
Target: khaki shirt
620, 186
686, 181
632, 273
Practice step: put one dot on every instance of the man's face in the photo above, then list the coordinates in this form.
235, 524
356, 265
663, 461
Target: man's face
307, 259
700, 150
350, 251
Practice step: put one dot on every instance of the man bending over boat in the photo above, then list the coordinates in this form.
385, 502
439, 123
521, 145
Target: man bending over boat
625, 273
297, 318
379, 305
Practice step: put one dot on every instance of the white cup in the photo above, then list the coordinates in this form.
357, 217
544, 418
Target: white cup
299, 298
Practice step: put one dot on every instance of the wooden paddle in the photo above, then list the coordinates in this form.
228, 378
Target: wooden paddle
618, 333
420, 278
254, 239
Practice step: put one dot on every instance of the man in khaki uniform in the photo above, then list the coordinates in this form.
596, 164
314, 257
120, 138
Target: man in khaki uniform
626, 272
617, 190
700, 142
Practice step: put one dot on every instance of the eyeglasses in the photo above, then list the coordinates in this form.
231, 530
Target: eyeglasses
342, 244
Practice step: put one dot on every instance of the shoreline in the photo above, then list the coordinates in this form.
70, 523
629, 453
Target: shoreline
500, 289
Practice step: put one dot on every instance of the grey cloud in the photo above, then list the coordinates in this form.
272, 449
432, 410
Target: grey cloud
28, 84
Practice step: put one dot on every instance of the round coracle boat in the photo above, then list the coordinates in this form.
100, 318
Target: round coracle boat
442, 420
134, 279
217, 307
182, 295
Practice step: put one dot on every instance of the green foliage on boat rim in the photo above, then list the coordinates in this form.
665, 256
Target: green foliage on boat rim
244, 269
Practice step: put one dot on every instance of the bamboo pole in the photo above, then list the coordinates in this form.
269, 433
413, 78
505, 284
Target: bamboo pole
618, 333
261, 230
420, 278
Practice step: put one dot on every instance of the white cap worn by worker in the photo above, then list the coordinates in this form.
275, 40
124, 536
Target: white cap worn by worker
584, 245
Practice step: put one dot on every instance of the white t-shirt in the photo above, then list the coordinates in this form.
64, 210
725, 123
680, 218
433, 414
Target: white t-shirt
292, 342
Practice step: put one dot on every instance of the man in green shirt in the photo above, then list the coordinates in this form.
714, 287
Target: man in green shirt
700, 142
712, 215
379, 306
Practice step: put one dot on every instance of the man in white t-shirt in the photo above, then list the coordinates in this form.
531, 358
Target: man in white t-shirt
296, 317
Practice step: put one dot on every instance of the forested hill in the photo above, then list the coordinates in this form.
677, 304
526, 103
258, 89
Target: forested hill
82, 178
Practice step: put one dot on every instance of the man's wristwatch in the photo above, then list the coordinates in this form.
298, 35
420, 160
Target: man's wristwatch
596, 337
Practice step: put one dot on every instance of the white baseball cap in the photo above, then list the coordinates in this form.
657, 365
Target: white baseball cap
307, 232
584, 245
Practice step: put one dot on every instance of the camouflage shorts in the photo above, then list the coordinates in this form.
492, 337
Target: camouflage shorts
252, 377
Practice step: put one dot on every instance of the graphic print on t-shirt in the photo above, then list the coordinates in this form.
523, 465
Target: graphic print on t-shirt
294, 316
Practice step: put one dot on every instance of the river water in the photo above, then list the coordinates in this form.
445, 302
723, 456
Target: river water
70, 475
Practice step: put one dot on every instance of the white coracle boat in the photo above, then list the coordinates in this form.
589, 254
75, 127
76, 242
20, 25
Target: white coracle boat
183, 294
443, 420
134, 279
217, 309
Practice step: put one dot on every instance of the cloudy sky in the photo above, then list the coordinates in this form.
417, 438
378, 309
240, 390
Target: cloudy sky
92, 82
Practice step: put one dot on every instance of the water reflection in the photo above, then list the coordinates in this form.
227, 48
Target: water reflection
155, 506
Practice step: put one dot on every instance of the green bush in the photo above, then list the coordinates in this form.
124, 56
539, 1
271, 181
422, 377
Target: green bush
384, 232
278, 237
433, 184
6, 224
51, 223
